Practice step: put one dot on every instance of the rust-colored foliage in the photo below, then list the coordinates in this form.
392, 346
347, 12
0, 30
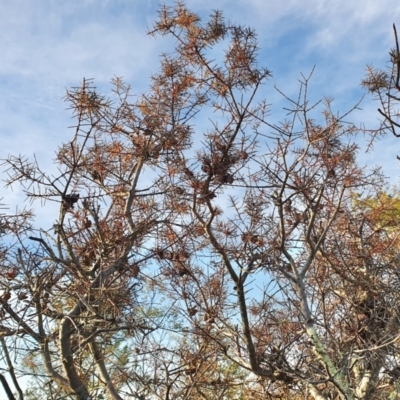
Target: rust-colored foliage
241, 260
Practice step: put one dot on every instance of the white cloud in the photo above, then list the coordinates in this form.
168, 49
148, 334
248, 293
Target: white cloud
49, 45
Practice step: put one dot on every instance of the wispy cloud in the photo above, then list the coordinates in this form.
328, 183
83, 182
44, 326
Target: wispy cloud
47, 46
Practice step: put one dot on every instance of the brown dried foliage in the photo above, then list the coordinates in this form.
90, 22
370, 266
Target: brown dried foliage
232, 259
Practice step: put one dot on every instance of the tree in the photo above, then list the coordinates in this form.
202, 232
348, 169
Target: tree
233, 263
385, 86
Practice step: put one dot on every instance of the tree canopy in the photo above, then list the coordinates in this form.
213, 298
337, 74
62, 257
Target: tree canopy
235, 259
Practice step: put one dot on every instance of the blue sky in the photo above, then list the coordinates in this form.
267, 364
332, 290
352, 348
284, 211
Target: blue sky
50, 45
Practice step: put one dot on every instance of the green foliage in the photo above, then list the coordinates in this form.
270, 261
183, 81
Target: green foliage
148, 284
382, 209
